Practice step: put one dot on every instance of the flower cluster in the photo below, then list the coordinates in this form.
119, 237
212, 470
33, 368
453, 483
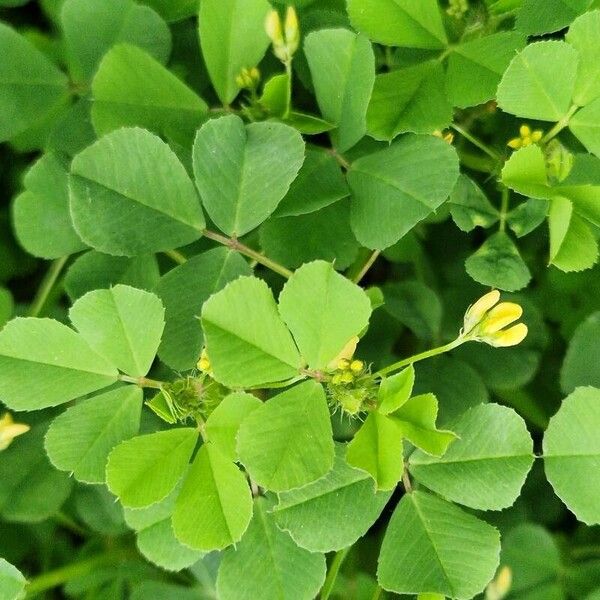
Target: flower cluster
527, 137
285, 37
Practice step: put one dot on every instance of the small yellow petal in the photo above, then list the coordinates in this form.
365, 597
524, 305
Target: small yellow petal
502, 315
515, 143
347, 352
356, 366
273, 28
477, 310
524, 131
343, 364
537, 135
292, 32
509, 337
346, 377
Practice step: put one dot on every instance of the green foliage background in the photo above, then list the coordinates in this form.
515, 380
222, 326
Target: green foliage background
161, 197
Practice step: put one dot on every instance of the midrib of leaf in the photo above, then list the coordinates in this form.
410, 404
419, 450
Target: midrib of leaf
419, 25
153, 105
443, 461
346, 91
410, 101
428, 534
129, 341
578, 455
540, 85
112, 375
273, 554
222, 515
136, 201
282, 508
324, 312
114, 419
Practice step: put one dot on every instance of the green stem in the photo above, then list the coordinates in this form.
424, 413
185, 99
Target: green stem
585, 552
377, 593
366, 266
476, 142
236, 245
288, 102
333, 572
504, 206
142, 381
560, 125
65, 521
422, 356
176, 256
340, 159
48, 283
52, 579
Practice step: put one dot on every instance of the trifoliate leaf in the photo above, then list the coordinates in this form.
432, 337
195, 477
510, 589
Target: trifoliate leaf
183, 291
433, 546
56, 357
342, 92
334, 511
396, 188
399, 22
323, 310
242, 319
214, 507
145, 469
232, 37
572, 453
81, 438
498, 264
486, 466
539, 81
377, 449
255, 163
130, 195
123, 324
410, 99
271, 565
287, 442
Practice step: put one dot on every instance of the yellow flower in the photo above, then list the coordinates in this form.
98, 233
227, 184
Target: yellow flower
526, 137
273, 28
204, 363
284, 47
487, 321
292, 31
499, 587
9, 430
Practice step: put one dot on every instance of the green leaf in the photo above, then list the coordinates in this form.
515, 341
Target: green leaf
41, 215
94, 270
90, 30
80, 439
333, 512
31, 490
415, 420
527, 216
307, 124
7, 306
395, 391
131, 195
269, 563
97, 508
476, 67
584, 124
580, 366
324, 234
583, 36
323, 310
525, 172
224, 422
275, 99
573, 246
410, 99
486, 466
214, 507
498, 264
123, 324
255, 163
539, 81
232, 37
174, 10
319, 183
132, 88
470, 207
52, 355
30, 84
143, 470
572, 452
287, 442
399, 22
433, 546
342, 65
377, 449
155, 537
242, 319
183, 291
396, 188
12, 582
537, 16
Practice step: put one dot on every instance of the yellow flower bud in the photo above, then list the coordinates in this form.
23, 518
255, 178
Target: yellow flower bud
515, 143
254, 74
507, 337
356, 366
346, 352
500, 316
346, 377
292, 31
204, 363
477, 311
336, 379
9, 430
500, 586
343, 364
525, 131
536, 136
273, 28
